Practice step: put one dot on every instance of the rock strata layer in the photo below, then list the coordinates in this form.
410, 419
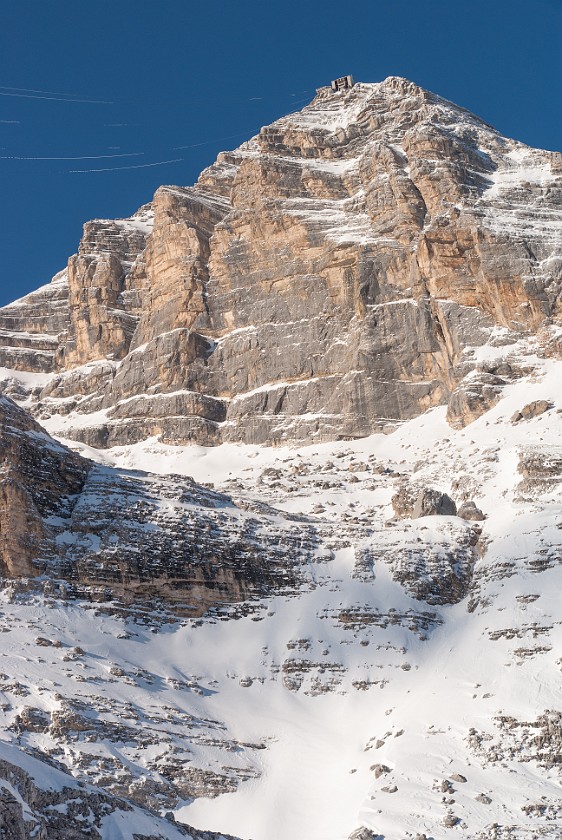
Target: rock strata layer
326, 279
104, 533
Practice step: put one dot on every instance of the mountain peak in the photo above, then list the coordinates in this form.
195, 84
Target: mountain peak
377, 276
331, 110
381, 231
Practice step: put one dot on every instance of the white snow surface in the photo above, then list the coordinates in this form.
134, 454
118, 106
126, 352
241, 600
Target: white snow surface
375, 693
388, 694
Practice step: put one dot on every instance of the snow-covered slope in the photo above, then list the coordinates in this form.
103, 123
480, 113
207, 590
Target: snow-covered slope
410, 687
349, 640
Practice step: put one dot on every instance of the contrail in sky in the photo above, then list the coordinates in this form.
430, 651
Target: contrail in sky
73, 157
51, 98
137, 166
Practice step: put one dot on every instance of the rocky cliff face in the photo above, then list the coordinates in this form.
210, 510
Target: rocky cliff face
384, 609
39, 483
356, 639
133, 536
39, 801
328, 278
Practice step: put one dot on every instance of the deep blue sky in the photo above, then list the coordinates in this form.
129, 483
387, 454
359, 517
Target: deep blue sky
187, 72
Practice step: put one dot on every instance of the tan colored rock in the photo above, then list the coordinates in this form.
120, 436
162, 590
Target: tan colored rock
321, 281
37, 476
474, 396
102, 318
176, 261
531, 410
21, 529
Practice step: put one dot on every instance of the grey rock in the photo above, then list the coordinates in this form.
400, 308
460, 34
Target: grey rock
531, 410
363, 834
312, 285
433, 503
450, 820
470, 512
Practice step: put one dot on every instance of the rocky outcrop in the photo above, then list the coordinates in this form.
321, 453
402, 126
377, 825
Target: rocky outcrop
33, 330
103, 286
40, 801
541, 471
106, 532
39, 483
469, 511
433, 503
473, 397
413, 501
438, 567
322, 281
533, 409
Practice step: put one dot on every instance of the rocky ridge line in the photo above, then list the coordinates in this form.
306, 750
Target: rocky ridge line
329, 278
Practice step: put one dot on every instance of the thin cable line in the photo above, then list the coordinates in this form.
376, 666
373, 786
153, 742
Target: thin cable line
57, 96
247, 133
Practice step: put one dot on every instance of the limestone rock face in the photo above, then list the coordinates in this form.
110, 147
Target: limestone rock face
106, 531
176, 261
33, 330
103, 303
39, 480
328, 278
32, 807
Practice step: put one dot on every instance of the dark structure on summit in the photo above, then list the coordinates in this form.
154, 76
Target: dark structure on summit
343, 83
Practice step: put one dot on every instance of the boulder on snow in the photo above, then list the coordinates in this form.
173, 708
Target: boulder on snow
411, 501
532, 409
470, 512
404, 500
363, 834
433, 503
